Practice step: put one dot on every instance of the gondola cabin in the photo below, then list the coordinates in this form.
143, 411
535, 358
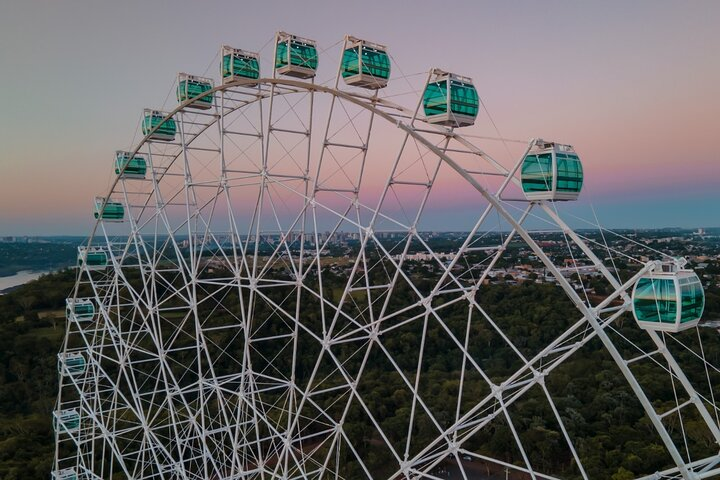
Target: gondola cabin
295, 56
450, 100
71, 364
79, 310
109, 210
66, 421
130, 166
239, 65
670, 300
65, 474
156, 127
551, 171
93, 258
193, 87
365, 64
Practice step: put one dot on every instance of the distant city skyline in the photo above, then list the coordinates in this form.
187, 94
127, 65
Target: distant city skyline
633, 86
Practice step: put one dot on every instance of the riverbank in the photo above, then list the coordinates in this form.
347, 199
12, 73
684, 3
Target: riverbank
11, 282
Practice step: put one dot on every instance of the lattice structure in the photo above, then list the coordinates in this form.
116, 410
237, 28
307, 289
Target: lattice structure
221, 330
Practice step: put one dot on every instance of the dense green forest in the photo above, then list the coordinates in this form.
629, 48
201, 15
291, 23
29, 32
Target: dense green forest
32, 323
614, 438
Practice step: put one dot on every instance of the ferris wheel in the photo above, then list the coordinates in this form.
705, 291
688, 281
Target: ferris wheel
263, 294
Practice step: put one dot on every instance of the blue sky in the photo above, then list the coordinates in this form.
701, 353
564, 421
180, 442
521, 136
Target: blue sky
632, 85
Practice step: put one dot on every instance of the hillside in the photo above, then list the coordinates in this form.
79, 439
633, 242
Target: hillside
613, 437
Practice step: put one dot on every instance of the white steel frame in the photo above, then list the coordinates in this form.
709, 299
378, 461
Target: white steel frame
151, 402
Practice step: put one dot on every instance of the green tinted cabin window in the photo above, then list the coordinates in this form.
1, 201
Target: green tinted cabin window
135, 166
301, 55
692, 300
435, 98
152, 120
463, 99
74, 365
537, 173
655, 300
236, 65
111, 211
67, 422
188, 89
569, 173
96, 259
350, 64
82, 310
374, 63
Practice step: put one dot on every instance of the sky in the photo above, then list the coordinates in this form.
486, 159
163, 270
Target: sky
634, 86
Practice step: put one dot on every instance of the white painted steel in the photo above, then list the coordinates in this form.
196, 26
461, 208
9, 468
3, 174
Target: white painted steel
154, 400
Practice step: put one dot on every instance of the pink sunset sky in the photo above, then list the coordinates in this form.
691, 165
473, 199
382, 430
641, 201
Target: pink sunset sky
634, 86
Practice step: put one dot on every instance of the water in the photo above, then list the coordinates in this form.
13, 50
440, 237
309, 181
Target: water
20, 278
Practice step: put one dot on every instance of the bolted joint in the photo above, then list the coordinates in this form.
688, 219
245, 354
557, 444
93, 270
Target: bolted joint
497, 391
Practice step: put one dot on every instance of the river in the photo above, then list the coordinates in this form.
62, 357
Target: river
19, 278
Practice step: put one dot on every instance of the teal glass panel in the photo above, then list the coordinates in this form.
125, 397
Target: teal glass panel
135, 166
569, 173
68, 422
301, 55
239, 66
350, 63
152, 120
84, 310
81, 311
281, 50
435, 98
537, 173
464, 99
112, 211
374, 63
96, 259
692, 301
188, 89
74, 365
655, 300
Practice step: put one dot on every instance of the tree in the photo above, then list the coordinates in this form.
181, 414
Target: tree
623, 474
27, 302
